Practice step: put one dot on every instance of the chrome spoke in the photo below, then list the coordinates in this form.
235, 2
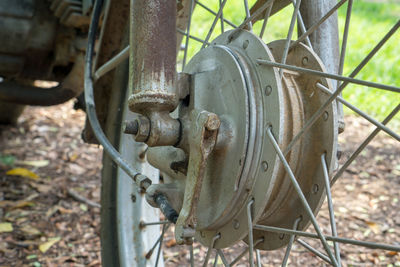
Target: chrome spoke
267, 14
112, 63
372, 245
301, 195
364, 144
289, 35
214, 23
250, 225
316, 25
361, 113
215, 260
330, 207
187, 34
289, 246
215, 14
314, 251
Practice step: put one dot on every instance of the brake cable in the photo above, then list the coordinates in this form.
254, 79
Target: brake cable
160, 199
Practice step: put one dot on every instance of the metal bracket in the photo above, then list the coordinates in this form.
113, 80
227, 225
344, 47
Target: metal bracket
202, 140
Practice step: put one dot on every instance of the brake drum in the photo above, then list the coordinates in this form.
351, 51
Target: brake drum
249, 98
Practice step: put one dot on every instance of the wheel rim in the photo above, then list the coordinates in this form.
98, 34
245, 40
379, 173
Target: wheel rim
333, 253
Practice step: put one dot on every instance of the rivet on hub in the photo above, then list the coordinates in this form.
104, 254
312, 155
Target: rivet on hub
315, 188
236, 224
304, 61
264, 166
325, 116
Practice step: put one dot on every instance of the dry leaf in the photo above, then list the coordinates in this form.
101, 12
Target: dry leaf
171, 243
45, 246
374, 227
34, 163
6, 227
23, 172
31, 231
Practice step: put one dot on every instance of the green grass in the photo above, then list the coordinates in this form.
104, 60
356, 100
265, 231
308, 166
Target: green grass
370, 21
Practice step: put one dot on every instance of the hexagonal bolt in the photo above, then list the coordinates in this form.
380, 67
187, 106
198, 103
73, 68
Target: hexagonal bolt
140, 128
142, 181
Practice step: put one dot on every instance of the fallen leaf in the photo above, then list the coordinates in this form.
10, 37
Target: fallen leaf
22, 204
7, 160
34, 163
171, 243
6, 227
23, 172
83, 207
374, 227
47, 245
32, 256
30, 231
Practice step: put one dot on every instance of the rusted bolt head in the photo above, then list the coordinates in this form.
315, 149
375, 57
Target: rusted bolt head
213, 122
143, 131
142, 181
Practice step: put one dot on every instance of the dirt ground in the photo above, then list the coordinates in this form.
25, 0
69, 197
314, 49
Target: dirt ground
49, 201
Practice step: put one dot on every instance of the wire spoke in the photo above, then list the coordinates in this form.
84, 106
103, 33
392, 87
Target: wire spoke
222, 18
316, 25
244, 252
301, 195
313, 250
187, 34
222, 256
112, 63
160, 244
344, 39
331, 76
160, 238
289, 36
301, 24
372, 245
154, 223
191, 36
258, 12
249, 23
330, 206
215, 238
364, 144
289, 246
267, 14
361, 113
215, 260
215, 14
214, 23
191, 256
250, 225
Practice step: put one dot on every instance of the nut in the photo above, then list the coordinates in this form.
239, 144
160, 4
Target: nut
142, 181
143, 129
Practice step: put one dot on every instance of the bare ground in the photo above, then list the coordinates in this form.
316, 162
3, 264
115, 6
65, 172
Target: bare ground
49, 210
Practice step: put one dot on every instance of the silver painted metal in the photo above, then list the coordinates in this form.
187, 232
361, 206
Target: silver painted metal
289, 35
160, 245
315, 251
112, 63
250, 236
289, 246
191, 6
301, 195
267, 14
245, 251
221, 8
372, 245
301, 24
207, 258
258, 12
330, 207
191, 36
258, 258
344, 39
222, 256
215, 14
361, 113
247, 10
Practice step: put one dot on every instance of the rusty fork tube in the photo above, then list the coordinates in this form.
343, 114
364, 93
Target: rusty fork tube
152, 66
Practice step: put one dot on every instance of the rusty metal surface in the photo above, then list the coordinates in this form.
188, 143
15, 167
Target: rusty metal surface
153, 56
